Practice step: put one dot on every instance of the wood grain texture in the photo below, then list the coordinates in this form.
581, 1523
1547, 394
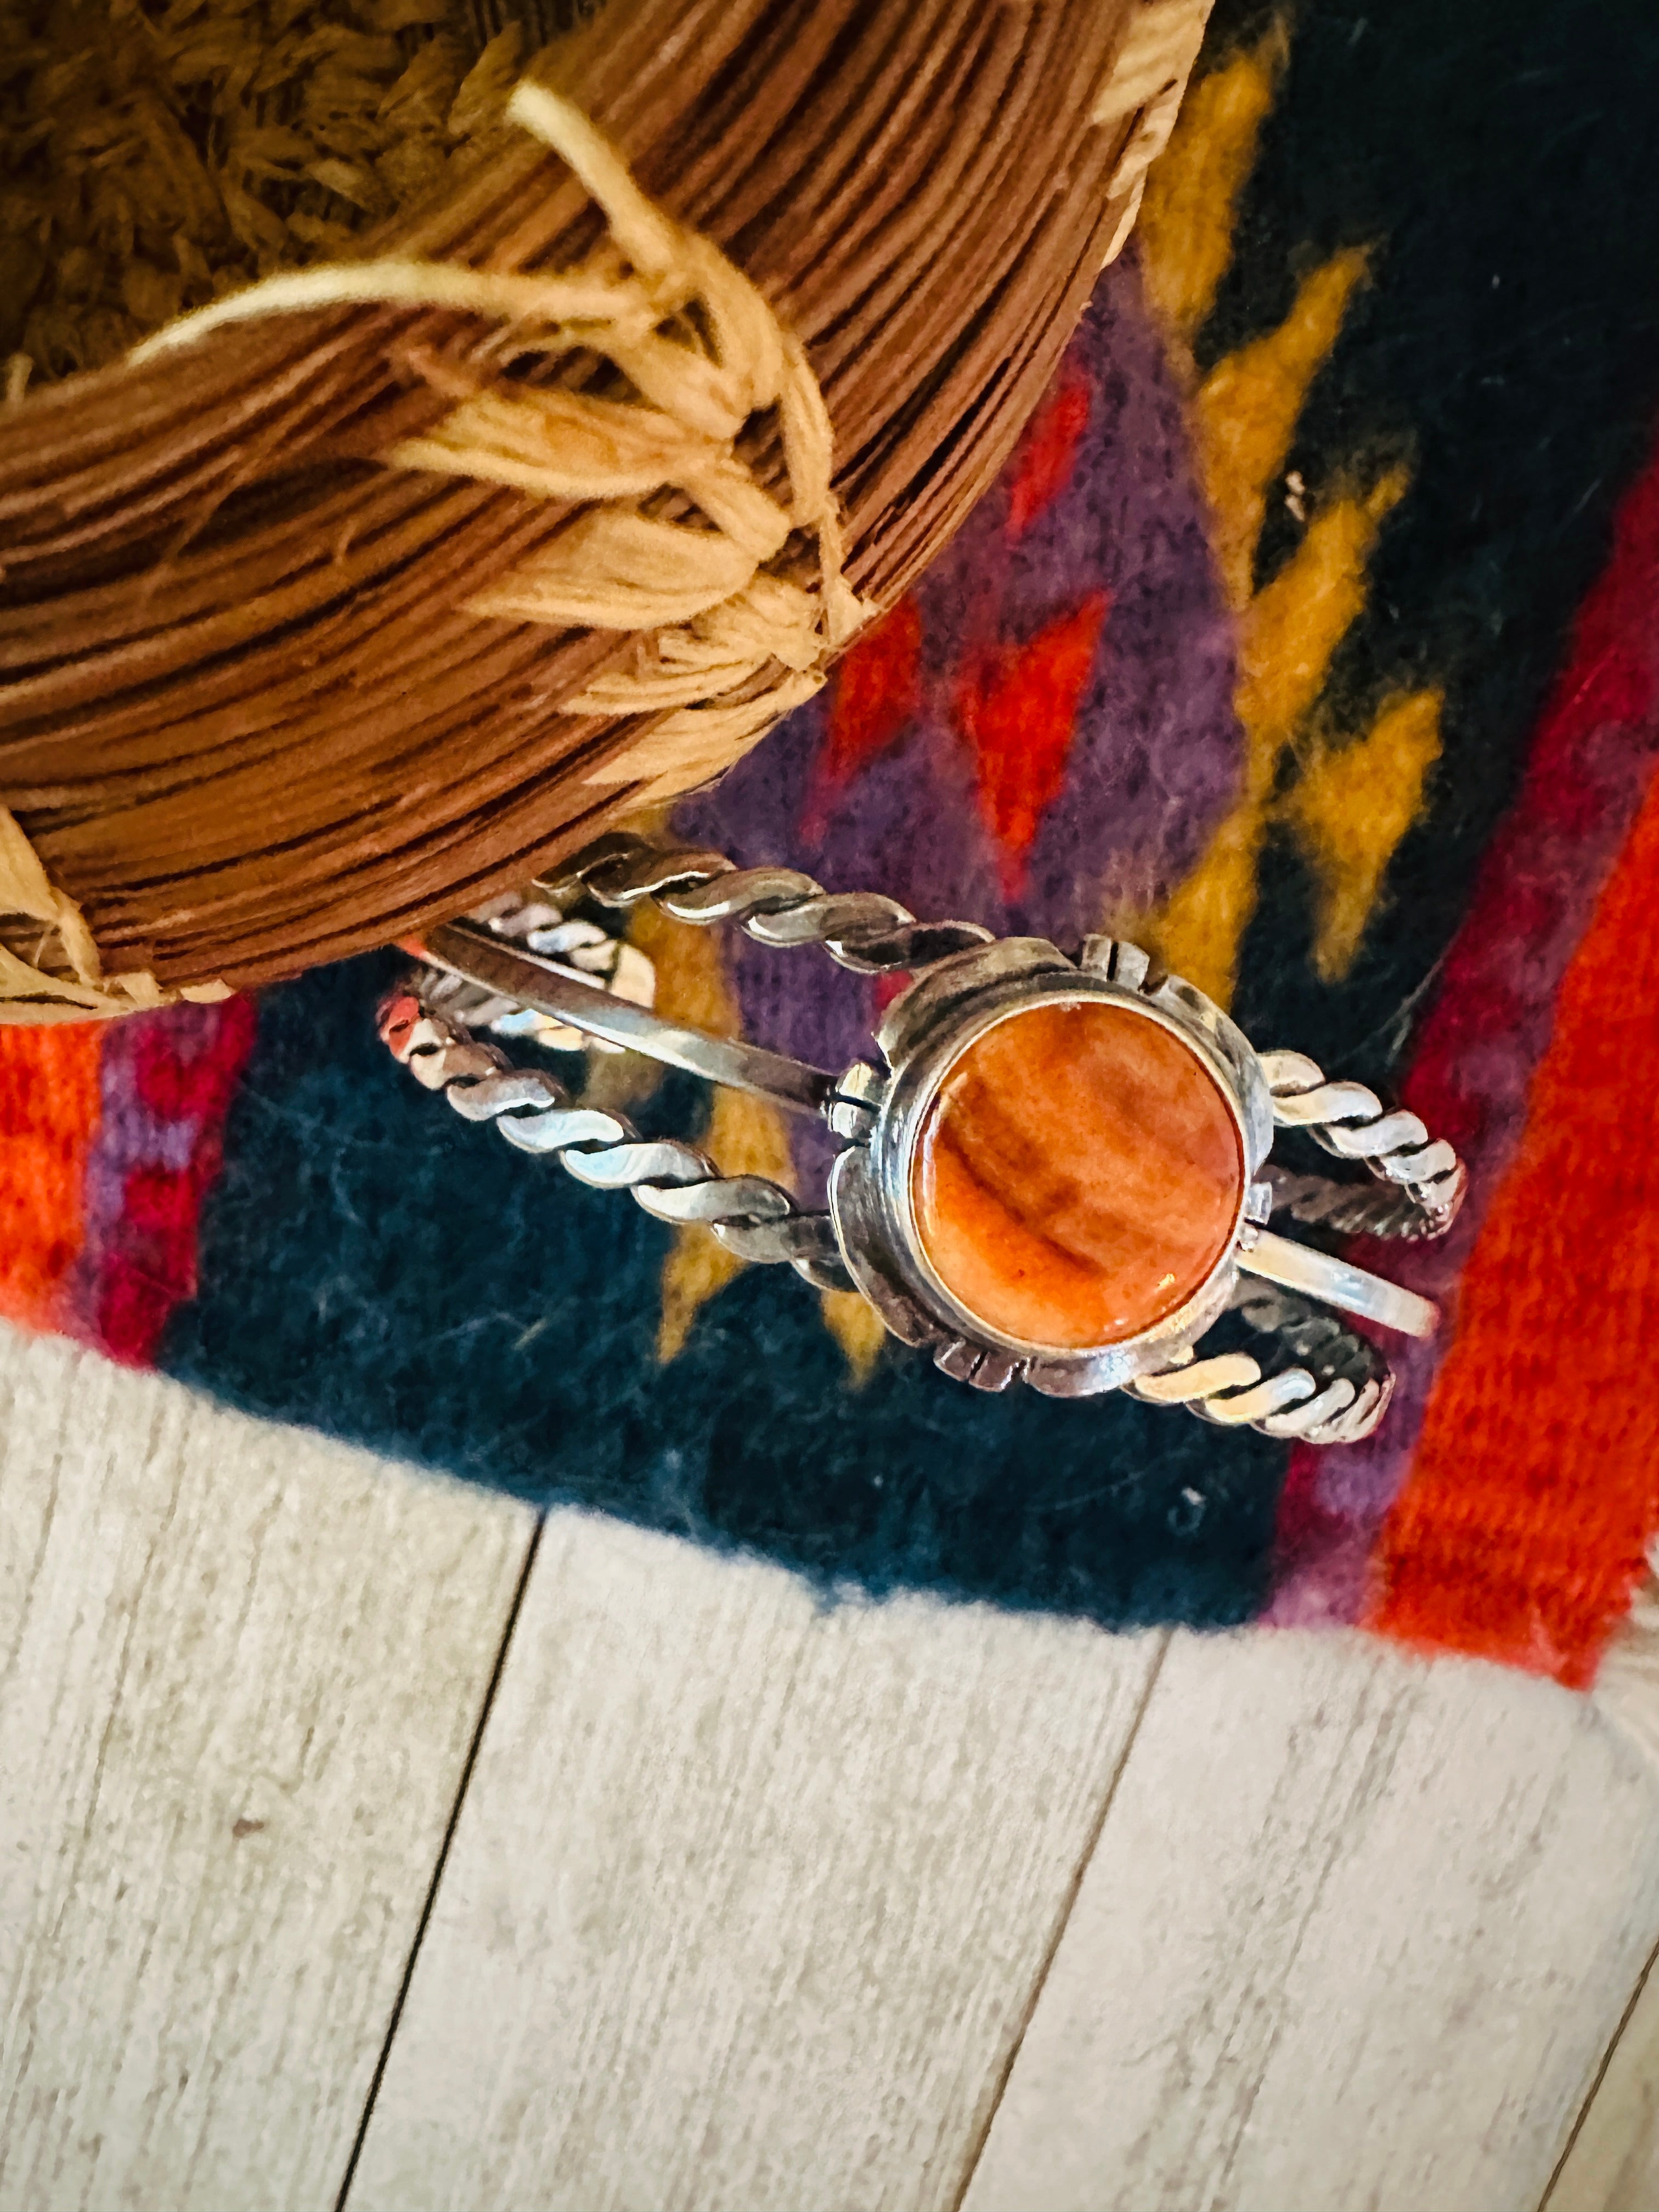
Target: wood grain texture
240, 1670
748, 1897
1357, 1933
1612, 2165
751, 1901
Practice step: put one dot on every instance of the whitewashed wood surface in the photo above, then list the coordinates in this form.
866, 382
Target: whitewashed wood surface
241, 1673
746, 1899
1391, 1931
749, 1902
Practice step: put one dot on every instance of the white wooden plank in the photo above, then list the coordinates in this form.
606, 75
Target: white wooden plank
1612, 2165
241, 1670
1357, 1933
748, 1896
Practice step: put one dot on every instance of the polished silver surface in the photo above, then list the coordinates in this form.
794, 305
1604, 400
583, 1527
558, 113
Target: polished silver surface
581, 950
1296, 1370
1334, 1283
756, 1219
468, 949
1350, 1120
862, 930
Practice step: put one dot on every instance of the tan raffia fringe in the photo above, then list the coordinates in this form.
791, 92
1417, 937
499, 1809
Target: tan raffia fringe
50, 970
1146, 84
733, 623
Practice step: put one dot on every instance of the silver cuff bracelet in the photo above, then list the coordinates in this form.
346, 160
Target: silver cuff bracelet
1058, 1173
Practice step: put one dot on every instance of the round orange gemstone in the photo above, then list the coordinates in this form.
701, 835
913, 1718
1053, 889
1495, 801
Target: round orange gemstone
1077, 1175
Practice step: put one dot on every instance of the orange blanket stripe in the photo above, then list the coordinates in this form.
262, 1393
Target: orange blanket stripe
49, 1111
1523, 1527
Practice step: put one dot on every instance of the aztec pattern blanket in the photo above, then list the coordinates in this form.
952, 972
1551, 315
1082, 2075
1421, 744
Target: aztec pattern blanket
1312, 637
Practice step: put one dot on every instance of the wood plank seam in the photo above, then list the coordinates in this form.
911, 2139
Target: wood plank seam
747, 1894
241, 1669
1357, 1932
485, 1705
1598, 2078
981, 2134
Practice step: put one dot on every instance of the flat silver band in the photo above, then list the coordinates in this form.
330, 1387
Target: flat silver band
1334, 1283
464, 949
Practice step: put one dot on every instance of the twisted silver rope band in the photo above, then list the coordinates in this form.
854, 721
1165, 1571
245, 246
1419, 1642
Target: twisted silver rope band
1336, 1393
674, 1181
1347, 1209
1340, 1390
1424, 1178
865, 931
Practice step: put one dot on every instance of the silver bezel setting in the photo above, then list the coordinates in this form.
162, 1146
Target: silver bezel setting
922, 1035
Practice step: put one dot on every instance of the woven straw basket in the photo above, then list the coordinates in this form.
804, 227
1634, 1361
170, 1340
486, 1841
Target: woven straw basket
429, 438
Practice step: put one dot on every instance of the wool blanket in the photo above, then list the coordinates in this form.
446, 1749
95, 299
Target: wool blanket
1311, 638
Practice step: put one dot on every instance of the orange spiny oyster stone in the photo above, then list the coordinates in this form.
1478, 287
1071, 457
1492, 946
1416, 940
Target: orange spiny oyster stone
1077, 1176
